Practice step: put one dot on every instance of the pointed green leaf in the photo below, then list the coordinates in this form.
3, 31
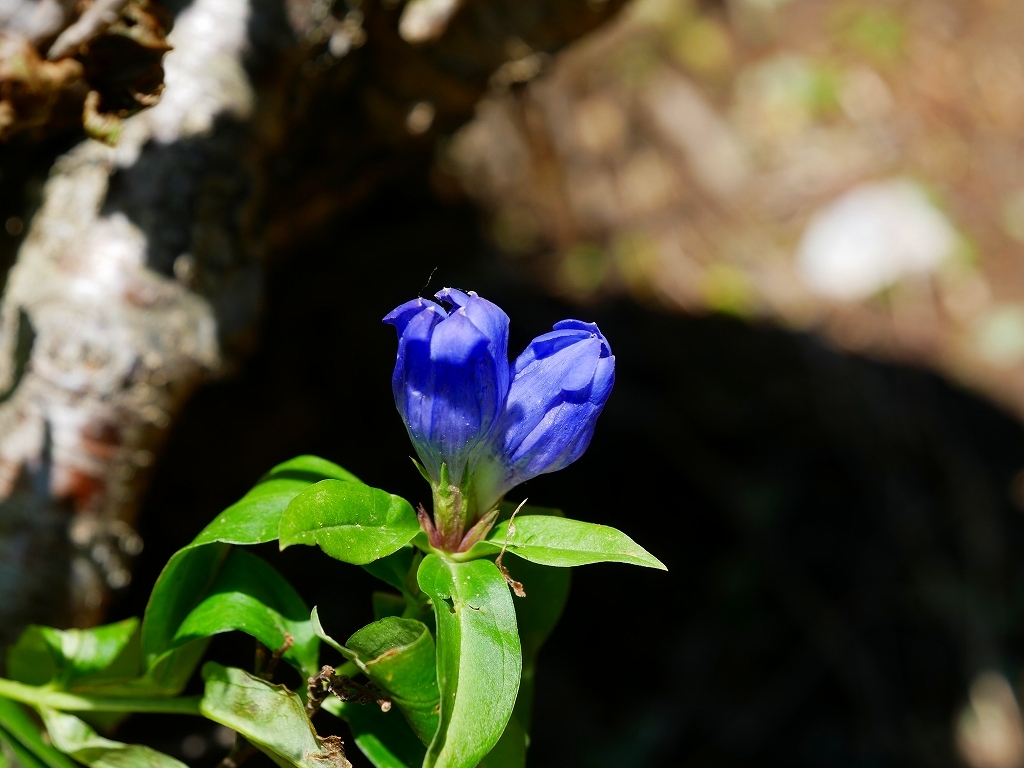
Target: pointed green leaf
564, 543
14, 755
270, 717
479, 658
166, 676
510, 751
191, 574
398, 570
71, 659
386, 740
211, 589
255, 518
547, 590
318, 628
398, 655
24, 738
349, 521
506, 508
387, 604
73, 737
250, 596
32, 659
182, 584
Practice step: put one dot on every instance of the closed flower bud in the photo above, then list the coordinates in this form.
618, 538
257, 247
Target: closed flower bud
451, 377
559, 387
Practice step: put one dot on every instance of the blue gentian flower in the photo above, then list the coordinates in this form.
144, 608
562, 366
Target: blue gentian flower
560, 386
451, 377
481, 427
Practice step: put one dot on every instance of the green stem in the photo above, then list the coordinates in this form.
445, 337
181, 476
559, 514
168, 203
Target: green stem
71, 702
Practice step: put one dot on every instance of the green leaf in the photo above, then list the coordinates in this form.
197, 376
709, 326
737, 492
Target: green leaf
311, 469
165, 677
214, 588
564, 543
24, 737
71, 659
255, 518
73, 737
510, 751
318, 628
14, 755
269, 716
184, 581
387, 604
349, 521
547, 590
398, 655
250, 596
398, 570
31, 659
191, 573
479, 658
506, 508
386, 740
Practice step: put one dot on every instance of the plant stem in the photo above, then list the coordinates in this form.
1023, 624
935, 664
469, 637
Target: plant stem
72, 702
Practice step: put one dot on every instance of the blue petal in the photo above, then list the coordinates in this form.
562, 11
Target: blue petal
412, 389
560, 385
486, 315
578, 325
604, 379
546, 345
464, 412
547, 384
456, 340
401, 315
566, 430
565, 333
449, 384
413, 348
561, 438
543, 385
454, 296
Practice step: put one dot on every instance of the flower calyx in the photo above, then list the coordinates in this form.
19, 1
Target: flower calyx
455, 526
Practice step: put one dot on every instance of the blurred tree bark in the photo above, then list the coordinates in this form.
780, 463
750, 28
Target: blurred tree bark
137, 263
